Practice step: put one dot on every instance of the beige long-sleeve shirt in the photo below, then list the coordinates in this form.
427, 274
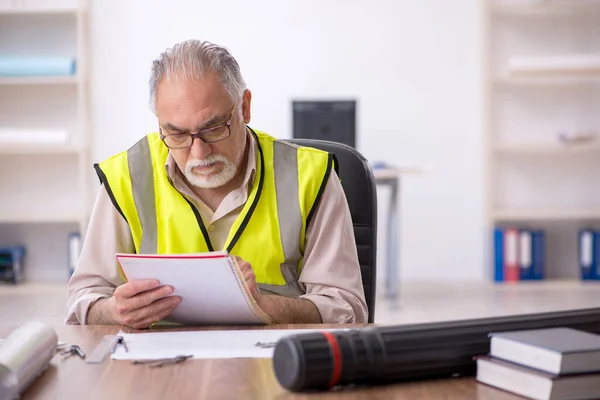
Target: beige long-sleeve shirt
330, 275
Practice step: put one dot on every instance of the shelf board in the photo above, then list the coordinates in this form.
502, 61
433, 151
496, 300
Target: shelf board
547, 8
549, 149
39, 80
557, 72
42, 218
38, 11
32, 149
549, 80
557, 214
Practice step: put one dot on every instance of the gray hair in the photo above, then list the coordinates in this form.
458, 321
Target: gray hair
190, 60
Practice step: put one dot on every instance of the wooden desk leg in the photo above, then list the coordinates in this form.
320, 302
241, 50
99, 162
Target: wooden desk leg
393, 243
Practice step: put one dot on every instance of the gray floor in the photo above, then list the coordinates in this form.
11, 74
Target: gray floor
417, 302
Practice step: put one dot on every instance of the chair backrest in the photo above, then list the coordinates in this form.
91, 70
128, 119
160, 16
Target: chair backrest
361, 193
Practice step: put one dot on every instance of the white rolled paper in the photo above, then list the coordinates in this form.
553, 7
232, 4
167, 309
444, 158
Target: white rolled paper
24, 355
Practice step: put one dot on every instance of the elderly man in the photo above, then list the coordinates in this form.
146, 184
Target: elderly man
207, 181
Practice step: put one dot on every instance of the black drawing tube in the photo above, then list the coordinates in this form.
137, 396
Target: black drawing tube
385, 354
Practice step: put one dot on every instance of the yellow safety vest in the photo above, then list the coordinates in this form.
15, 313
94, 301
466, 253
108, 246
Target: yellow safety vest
270, 230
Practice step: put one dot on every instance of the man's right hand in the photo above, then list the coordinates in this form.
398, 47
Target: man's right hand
138, 304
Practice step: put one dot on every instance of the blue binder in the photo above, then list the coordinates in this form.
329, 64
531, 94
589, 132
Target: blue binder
589, 245
525, 255
498, 254
532, 254
538, 252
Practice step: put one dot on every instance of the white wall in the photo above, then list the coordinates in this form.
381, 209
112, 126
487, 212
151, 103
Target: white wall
414, 67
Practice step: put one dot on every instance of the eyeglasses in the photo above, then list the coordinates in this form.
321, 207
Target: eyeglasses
209, 135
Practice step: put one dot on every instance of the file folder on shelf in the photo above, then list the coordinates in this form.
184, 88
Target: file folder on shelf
589, 246
539, 255
498, 255
519, 254
525, 255
531, 255
511, 255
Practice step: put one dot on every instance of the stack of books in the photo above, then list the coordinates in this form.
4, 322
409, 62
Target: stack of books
552, 363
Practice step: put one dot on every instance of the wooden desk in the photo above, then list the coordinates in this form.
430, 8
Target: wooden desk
72, 378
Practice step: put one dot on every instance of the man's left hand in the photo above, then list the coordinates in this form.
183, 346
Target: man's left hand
250, 278
283, 310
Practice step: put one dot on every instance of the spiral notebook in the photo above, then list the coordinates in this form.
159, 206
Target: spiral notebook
211, 286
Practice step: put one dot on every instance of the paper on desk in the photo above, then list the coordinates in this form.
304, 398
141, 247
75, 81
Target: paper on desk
203, 344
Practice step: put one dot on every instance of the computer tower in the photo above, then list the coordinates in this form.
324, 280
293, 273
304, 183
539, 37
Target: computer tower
325, 120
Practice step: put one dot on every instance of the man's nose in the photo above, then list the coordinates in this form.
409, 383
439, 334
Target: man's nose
200, 150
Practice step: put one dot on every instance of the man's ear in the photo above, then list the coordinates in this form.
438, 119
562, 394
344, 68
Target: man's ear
246, 101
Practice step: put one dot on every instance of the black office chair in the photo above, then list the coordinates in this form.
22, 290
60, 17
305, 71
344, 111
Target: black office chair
359, 185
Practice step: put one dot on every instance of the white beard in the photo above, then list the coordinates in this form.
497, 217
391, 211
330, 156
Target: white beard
207, 179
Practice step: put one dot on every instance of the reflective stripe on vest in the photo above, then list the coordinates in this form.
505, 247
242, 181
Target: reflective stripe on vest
285, 162
142, 185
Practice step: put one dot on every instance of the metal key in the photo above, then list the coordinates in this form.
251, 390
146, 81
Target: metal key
68, 352
79, 352
74, 349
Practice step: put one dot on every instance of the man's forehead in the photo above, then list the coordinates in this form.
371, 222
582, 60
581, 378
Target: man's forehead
208, 86
193, 120
189, 100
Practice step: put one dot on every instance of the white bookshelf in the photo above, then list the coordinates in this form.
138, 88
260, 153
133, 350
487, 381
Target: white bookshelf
44, 181
542, 78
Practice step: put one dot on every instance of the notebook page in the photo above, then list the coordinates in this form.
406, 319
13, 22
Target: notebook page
210, 292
